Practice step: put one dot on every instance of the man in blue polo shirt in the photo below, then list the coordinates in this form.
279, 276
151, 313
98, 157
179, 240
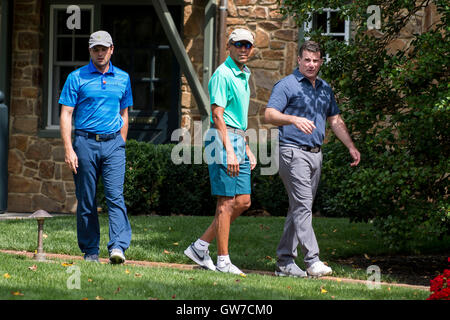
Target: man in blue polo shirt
98, 95
301, 104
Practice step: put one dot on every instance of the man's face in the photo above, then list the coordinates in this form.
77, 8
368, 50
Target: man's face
309, 64
240, 51
101, 55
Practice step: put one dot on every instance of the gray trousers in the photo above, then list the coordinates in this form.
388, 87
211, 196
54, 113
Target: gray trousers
300, 172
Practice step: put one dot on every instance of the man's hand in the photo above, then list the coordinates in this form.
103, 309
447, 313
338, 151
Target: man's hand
66, 129
251, 157
232, 164
356, 156
72, 160
340, 130
277, 118
303, 124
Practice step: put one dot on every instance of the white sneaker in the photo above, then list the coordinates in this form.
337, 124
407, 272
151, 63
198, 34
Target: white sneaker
318, 269
200, 257
116, 256
230, 268
290, 270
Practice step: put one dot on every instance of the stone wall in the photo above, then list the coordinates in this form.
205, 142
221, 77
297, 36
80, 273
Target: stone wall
276, 45
274, 57
193, 21
38, 176
276, 51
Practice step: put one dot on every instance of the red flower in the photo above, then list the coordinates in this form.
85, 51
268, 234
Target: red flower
440, 286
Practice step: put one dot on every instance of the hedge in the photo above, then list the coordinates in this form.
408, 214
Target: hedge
154, 184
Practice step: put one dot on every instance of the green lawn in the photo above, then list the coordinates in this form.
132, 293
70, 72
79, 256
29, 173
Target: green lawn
163, 239
22, 278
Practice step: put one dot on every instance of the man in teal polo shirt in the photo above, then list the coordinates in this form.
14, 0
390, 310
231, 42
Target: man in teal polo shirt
230, 159
98, 95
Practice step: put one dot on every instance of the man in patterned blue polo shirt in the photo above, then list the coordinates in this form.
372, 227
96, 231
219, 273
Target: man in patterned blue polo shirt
98, 95
300, 105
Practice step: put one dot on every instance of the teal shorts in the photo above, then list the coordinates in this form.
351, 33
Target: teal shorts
215, 155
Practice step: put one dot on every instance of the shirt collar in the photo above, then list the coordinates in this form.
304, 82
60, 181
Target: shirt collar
233, 66
93, 69
299, 76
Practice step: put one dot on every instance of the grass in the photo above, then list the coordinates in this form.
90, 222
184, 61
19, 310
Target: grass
21, 278
163, 239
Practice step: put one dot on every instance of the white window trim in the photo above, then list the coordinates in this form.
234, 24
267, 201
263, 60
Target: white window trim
53, 7
346, 34
308, 26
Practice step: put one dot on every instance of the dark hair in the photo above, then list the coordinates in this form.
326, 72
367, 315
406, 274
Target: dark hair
310, 46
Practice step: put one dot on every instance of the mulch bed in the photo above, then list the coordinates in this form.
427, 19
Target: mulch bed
409, 269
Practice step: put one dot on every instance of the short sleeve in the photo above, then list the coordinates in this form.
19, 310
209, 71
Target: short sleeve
127, 99
217, 88
279, 97
69, 93
333, 109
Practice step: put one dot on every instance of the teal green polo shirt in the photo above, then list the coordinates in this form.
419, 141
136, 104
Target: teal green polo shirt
229, 88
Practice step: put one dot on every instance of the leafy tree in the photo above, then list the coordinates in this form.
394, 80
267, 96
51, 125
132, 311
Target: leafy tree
396, 102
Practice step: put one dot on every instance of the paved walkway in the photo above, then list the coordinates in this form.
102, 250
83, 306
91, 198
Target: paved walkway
192, 267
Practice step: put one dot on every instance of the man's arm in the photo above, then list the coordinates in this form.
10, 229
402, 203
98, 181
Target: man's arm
65, 123
251, 156
219, 123
340, 130
275, 117
124, 130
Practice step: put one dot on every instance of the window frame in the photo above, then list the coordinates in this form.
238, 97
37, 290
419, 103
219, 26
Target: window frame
308, 27
46, 128
50, 68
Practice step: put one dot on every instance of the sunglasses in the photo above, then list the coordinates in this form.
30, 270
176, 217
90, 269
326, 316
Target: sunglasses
239, 44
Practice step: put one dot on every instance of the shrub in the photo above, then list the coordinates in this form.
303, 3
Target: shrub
397, 108
154, 184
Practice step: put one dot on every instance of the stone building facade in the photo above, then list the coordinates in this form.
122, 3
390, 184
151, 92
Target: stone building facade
38, 175
275, 55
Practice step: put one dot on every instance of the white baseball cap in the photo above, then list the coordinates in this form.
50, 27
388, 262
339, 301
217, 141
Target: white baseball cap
241, 35
100, 38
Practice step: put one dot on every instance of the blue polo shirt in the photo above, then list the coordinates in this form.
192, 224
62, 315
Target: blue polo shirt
97, 98
295, 95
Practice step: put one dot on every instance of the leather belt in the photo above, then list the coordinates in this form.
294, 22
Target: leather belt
97, 137
310, 149
305, 148
232, 129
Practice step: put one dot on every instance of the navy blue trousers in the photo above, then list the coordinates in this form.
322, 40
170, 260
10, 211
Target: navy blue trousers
95, 159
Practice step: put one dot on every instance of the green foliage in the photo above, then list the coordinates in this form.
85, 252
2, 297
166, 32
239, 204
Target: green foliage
396, 104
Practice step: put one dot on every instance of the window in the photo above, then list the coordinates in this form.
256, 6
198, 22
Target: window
68, 50
141, 48
331, 24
